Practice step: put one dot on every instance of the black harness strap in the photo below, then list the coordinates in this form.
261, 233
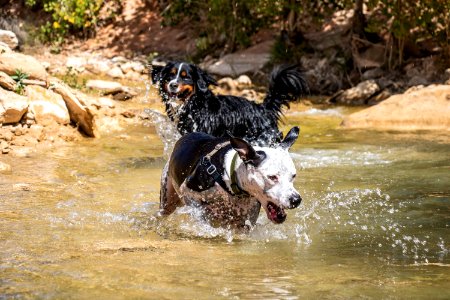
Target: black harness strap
211, 169
206, 174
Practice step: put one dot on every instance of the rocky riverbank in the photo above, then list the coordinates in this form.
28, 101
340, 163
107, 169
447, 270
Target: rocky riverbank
38, 109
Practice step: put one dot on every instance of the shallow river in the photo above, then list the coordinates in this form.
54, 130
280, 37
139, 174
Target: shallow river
77, 223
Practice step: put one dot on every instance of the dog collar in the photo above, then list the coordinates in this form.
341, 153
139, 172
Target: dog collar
235, 188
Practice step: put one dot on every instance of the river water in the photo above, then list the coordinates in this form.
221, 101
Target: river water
77, 223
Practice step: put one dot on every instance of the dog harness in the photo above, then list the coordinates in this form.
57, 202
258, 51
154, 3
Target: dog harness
199, 181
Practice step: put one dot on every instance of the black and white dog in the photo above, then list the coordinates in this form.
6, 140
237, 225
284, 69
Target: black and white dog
193, 107
229, 180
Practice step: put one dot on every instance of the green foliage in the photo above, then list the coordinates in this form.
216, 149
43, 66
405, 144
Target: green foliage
72, 79
413, 22
68, 16
222, 23
227, 25
19, 78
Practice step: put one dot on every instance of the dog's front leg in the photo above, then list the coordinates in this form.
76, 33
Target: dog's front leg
168, 198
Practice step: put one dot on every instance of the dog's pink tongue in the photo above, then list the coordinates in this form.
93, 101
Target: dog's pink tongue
272, 213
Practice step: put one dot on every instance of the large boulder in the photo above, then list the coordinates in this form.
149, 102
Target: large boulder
9, 38
10, 62
7, 82
247, 61
106, 87
417, 109
357, 95
116, 89
47, 106
12, 107
79, 113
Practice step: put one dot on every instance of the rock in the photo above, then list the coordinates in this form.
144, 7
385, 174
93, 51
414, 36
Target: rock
249, 60
6, 134
334, 33
447, 74
4, 147
366, 54
76, 63
47, 106
227, 83
119, 59
357, 95
35, 82
372, 74
244, 81
98, 65
103, 102
78, 112
46, 65
18, 130
126, 67
118, 91
9, 38
4, 48
37, 132
115, 72
132, 66
7, 82
323, 76
138, 67
10, 62
377, 98
133, 75
417, 80
12, 107
106, 87
125, 94
5, 168
421, 109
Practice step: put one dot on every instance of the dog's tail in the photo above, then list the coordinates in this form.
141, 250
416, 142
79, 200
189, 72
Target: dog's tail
286, 85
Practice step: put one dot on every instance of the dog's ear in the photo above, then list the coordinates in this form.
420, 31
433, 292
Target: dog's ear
204, 79
154, 70
290, 138
246, 152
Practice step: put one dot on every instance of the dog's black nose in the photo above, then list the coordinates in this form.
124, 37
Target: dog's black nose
173, 85
294, 201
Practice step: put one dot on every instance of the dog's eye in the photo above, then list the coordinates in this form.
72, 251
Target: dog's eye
293, 177
183, 74
274, 178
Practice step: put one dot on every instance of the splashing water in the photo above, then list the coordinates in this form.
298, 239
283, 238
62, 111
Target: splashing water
165, 129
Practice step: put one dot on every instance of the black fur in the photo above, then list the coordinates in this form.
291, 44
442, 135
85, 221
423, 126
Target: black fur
205, 112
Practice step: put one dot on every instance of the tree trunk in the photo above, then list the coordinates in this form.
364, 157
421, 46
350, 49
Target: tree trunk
359, 20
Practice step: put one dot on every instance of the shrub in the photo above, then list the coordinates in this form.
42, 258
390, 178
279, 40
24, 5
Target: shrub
68, 16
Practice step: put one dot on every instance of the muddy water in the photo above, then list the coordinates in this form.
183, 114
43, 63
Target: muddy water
77, 223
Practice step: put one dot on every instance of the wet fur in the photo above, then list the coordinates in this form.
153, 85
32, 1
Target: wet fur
203, 111
254, 164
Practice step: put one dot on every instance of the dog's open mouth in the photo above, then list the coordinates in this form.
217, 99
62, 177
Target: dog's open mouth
183, 95
275, 213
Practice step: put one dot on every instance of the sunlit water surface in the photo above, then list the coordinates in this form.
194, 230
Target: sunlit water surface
77, 223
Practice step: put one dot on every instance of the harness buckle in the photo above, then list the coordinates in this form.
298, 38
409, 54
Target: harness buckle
211, 169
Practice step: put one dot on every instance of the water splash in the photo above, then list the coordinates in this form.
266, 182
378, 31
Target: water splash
313, 158
165, 129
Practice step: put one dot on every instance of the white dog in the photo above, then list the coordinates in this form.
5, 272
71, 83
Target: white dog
229, 179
